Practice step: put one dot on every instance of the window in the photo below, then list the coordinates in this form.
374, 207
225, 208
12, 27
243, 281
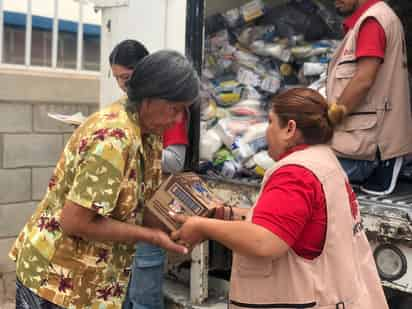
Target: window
67, 50
41, 47
91, 53
64, 52
14, 44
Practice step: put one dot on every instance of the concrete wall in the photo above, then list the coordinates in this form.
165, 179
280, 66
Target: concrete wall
158, 24
31, 142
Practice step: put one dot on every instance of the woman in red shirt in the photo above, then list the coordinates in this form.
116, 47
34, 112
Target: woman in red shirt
303, 241
298, 218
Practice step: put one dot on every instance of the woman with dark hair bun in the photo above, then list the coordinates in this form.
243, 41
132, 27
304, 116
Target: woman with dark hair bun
77, 249
302, 244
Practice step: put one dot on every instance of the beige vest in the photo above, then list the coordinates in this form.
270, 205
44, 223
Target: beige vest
344, 276
383, 121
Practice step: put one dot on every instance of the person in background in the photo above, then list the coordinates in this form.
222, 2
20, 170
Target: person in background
368, 78
145, 288
77, 248
123, 59
302, 244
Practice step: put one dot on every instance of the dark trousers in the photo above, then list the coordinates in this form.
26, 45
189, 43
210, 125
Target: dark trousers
26, 299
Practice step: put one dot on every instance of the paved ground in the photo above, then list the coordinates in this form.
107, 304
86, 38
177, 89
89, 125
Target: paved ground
7, 290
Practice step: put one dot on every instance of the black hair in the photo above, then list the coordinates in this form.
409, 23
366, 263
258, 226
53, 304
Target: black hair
165, 74
128, 53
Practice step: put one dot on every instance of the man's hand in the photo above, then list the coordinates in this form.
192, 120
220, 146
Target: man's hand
189, 233
163, 240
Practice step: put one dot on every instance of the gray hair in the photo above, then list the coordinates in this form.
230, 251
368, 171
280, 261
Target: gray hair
164, 75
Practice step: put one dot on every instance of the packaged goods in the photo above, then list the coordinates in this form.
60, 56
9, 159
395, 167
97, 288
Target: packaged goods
314, 68
209, 144
263, 160
278, 51
230, 169
241, 150
248, 77
185, 194
252, 10
232, 17
271, 83
254, 52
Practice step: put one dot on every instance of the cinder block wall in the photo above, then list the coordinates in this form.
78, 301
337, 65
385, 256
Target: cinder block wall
31, 142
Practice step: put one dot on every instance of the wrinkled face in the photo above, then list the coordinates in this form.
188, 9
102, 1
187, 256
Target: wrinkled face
346, 7
122, 75
279, 138
157, 115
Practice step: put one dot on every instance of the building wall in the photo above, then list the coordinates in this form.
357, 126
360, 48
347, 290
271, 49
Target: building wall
165, 19
31, 142
14, 46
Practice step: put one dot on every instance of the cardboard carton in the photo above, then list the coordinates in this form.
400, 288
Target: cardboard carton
184, 194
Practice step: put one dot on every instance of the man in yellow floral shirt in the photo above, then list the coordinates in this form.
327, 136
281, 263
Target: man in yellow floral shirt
77, 248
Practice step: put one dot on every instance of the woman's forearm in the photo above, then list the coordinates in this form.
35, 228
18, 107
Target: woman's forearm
229, 213
240, 213
243, 237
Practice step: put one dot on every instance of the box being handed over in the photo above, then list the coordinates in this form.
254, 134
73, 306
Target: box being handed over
183, 194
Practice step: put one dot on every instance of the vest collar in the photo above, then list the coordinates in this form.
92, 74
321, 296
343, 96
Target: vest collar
293, 149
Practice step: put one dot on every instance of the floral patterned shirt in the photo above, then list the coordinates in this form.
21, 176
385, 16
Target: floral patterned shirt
106, 166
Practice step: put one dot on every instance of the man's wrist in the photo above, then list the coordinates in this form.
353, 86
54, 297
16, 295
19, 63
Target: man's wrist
149, 235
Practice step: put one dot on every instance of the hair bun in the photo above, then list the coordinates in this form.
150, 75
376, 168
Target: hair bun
336, 113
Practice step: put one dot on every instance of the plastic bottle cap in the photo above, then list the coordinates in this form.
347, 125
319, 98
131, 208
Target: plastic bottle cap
286, 69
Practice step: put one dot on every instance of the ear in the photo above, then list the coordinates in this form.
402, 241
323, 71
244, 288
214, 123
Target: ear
293, 134
291, 128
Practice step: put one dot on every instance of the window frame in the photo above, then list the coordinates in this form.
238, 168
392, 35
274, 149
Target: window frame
79, 67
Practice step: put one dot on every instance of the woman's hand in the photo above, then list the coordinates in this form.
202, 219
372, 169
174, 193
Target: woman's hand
189, 233
243, 237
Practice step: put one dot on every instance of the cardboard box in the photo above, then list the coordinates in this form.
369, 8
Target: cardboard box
185, 194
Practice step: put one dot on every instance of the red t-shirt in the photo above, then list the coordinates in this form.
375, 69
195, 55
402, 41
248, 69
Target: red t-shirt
176, 135
371, 41
292, 206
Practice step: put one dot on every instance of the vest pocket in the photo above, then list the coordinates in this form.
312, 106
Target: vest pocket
346, 70
254, 267
362, 121
272, 306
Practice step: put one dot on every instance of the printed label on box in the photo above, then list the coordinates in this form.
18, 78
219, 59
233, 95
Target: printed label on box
185, 194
